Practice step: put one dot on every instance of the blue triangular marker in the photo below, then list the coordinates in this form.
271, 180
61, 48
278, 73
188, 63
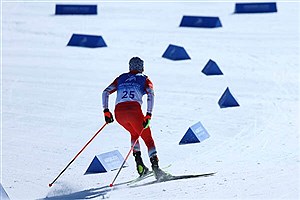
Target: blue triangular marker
3, 194
106, 162
211, 68
67, 9
189, 137
95, 167
174, 52
89, 41
227, 100
194, 134
259, 7
200, 22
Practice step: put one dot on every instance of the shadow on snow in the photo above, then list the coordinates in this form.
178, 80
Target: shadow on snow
85, 194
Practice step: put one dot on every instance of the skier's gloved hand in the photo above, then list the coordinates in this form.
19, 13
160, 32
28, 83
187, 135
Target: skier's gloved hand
108, 116
147, 119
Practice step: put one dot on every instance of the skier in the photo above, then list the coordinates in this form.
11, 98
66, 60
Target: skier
131, 87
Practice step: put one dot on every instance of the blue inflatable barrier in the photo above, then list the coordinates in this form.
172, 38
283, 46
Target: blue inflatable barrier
200, 22
63, 9
90, 41
211, 68
194, 134
255, 7
106, 162
227, 100
174, 52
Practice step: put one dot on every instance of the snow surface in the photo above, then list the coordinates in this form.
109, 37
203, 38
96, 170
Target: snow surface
51, 100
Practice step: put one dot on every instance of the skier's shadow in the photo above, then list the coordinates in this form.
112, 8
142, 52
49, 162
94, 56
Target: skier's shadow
85, 194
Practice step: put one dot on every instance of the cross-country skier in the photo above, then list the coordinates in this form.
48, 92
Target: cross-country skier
131, 87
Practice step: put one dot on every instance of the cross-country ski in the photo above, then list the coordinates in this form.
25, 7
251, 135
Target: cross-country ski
172, 178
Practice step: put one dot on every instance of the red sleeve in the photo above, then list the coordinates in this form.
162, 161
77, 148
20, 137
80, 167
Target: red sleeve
105, 94
149, 86
112, 87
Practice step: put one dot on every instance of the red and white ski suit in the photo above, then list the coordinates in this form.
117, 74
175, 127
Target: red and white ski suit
130, 89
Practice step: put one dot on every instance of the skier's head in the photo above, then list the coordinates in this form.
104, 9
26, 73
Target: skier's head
136, 64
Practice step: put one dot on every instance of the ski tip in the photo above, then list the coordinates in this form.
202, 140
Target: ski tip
50, 184
110, 185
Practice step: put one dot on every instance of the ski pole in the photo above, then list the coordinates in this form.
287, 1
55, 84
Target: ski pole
131, 149
50, 184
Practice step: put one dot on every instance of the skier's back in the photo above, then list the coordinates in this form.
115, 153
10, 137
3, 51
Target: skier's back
131, 87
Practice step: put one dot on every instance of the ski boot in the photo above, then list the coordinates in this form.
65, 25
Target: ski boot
141, 168
159, 174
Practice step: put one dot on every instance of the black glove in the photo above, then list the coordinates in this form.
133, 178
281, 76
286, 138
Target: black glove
147, 119
108, 116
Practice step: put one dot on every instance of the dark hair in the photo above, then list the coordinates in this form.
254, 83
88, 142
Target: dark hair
136, 64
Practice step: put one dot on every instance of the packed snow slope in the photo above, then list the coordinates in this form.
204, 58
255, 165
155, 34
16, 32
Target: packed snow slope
51, 100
